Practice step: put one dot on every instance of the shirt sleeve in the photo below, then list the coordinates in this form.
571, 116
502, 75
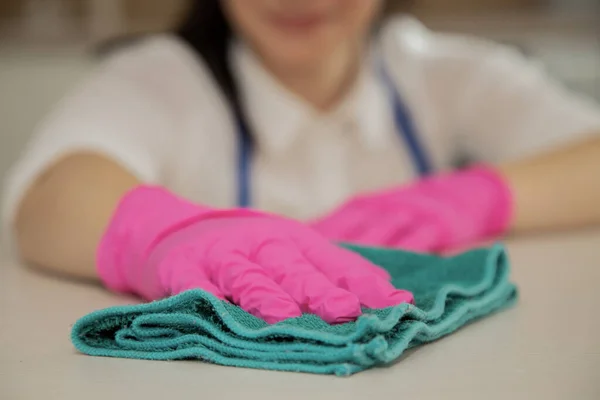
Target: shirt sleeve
500, 105
112, 113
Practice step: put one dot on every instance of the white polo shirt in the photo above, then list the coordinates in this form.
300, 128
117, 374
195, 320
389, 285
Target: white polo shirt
156, 109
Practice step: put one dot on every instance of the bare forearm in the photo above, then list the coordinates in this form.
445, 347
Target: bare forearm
63, 215
558, 190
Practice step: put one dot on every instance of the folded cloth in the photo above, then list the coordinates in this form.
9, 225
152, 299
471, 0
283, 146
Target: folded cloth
449, 293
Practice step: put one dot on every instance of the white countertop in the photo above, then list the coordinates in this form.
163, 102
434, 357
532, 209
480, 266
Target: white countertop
547, 347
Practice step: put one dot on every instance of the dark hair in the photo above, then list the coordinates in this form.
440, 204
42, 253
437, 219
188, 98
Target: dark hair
207, 30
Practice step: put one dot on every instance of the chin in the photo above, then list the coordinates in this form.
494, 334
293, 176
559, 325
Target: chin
301, 61
295, 55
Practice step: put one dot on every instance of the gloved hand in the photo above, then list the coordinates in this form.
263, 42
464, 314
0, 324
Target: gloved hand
158, 245
431, 215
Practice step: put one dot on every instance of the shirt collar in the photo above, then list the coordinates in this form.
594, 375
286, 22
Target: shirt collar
277, 116
369, 107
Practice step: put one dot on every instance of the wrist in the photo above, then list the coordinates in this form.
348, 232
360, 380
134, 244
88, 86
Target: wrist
141, 218
490, 184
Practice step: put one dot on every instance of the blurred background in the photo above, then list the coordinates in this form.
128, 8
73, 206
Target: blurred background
46, 46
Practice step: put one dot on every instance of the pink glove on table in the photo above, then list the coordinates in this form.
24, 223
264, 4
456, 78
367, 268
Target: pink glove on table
434, 214
158, 245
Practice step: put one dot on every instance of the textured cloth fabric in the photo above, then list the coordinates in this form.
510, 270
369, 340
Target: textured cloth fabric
449, 293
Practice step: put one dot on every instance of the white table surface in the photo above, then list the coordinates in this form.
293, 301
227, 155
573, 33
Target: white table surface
547, 347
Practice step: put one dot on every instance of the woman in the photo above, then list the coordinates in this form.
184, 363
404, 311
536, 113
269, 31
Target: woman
303, 110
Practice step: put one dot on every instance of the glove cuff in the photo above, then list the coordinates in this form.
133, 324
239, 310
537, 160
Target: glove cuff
501, 210
141, 218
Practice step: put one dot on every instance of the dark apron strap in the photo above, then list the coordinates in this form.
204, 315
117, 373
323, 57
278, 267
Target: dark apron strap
244, 169
406, 129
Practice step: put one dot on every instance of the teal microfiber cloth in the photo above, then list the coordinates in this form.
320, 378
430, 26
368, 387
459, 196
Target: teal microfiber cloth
449, 293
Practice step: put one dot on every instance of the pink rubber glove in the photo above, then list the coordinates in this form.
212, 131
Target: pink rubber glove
159, 245
435, 214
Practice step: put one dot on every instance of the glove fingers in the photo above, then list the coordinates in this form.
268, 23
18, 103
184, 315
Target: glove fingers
308, 286
422, 238
250, 286
382, 229
198, 283
340, 225
353, 273
327, 257
179, 272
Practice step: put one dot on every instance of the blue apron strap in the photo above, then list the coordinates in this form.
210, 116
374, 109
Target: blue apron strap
244, 166
405, 127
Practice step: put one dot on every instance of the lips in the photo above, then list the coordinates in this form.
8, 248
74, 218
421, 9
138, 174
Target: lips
297, 23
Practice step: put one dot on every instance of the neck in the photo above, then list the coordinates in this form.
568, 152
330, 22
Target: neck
324, 84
